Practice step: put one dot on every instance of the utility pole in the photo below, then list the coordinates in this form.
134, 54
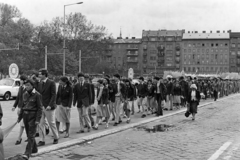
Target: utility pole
45, 57
80, 61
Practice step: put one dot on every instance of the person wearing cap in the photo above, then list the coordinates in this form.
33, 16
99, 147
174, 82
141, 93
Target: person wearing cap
31, 113
82, 97
193, 100
47, 88
142, 93
19, 103
118, 99
169, 92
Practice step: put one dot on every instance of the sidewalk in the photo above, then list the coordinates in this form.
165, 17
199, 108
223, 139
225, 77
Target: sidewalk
136, 120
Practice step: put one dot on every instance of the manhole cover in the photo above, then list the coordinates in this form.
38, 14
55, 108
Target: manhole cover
156, 128
77, 156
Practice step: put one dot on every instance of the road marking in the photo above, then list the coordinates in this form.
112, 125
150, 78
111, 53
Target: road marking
220, 151
233, 149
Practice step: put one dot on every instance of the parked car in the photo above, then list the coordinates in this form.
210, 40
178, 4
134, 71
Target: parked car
9, 88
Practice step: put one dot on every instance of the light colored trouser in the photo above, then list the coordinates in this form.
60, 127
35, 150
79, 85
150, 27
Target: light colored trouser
170, 101
118, 108
50, 115
83, 117
112, 109
143, 105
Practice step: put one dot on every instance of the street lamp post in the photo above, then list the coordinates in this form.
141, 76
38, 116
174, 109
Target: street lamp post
64, 42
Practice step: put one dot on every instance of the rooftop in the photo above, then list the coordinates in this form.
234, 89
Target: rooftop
135, 40
206, 36
162, 33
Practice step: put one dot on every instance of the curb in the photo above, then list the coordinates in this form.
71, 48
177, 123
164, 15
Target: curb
115, 130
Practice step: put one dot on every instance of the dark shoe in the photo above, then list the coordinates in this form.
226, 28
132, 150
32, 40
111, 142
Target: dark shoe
120, 122
113, 119
18, 142
171, 109
33, 152
37, 135
128, 121
95, 128
67, 135
92, 124
165, 109
26, 140
89, 129
143, 116
81, 131
41, 143
61, 132
85, 126
47, 131
115, 124
132, 113
55, 141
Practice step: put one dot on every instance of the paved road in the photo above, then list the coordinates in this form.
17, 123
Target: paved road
213, 135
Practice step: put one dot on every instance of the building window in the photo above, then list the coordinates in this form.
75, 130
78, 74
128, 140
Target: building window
238, 45
152, 39
189, 45
193, 45
169, 39
189, 50
193, 50
185, 50
203, 44
233, 45
212, 45
217, 44
203, 50
207, 50
226, 44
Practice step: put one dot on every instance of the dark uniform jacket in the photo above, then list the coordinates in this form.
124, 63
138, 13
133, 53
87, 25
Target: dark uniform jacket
130, 92
92, 100
169, 88
82, 95
19, 99
112, 91
162, 89
65, 96
32, 102
142, 90
198, 96
48, 92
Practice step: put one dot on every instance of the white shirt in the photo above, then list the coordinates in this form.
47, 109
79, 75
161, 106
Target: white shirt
118, 88
45, 80
193, 95
158, 87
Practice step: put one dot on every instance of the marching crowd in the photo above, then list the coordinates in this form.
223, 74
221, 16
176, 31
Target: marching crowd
42, 107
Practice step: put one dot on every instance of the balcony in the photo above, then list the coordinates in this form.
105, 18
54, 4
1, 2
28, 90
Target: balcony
145, 47
132, 54
178, 48
161, 54
177, 53
161, 48
144, 53
144, 60
177, 59
131, 60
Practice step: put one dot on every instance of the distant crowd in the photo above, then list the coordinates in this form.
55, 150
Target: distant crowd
42, 107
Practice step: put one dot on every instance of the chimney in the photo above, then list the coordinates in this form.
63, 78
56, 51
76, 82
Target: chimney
223, 31
133, 37
218, 31
229, 31
126, 37
210, 31
183, 30
196, 31
188, 31
203, 31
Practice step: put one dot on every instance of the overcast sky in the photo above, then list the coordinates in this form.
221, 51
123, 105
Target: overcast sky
133, 16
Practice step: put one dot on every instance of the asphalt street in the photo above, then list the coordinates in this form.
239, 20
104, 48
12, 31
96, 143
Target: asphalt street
213, 135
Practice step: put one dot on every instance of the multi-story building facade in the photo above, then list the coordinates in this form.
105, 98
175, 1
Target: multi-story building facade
123, 54
234, 52
205, 52
160, 51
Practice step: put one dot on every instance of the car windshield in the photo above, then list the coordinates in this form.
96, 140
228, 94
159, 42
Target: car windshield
6, 82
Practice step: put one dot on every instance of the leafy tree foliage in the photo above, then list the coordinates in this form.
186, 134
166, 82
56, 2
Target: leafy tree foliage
78, 32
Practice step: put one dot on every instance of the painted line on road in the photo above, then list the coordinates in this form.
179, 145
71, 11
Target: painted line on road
220, 151
114, 130
231, 151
